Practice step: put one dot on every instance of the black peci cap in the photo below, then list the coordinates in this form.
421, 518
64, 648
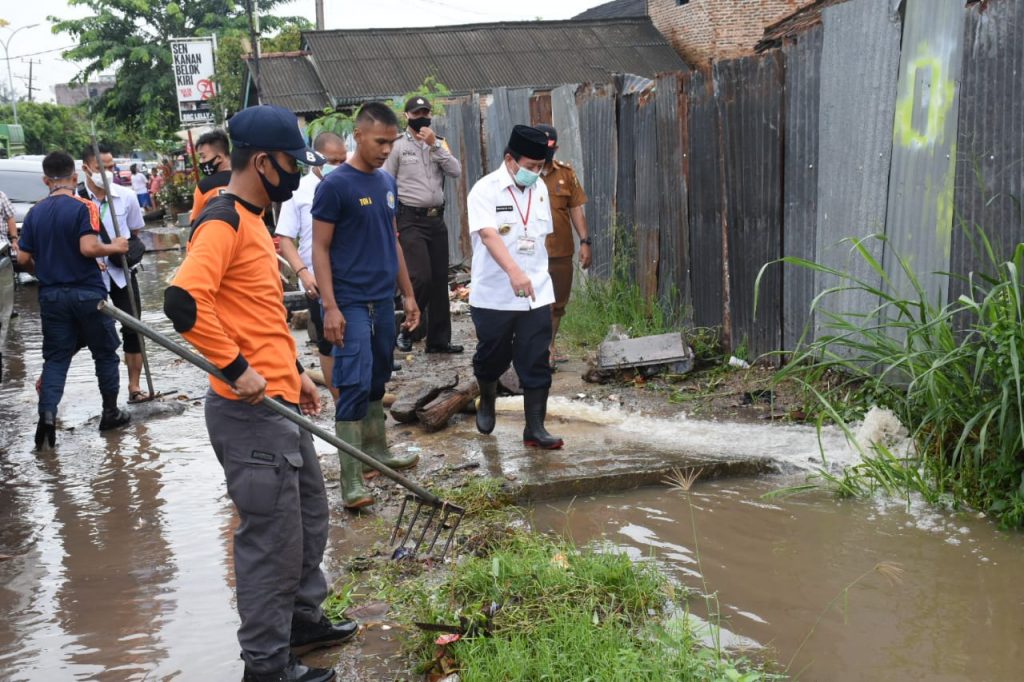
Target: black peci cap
417, 102
550, 132
272, 128
529, 142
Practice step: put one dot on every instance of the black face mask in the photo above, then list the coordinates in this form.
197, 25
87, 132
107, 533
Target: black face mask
208, 167
286, 186
417, 123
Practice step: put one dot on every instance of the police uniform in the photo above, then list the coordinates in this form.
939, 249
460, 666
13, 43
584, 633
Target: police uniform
420, 171
511, 328
565, 192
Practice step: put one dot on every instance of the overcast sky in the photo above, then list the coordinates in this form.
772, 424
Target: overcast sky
41, 45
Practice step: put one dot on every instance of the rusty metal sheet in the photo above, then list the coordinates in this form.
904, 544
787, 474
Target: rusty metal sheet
472, 167
800, 184
859, 64
566, 120
497, 127
990, 167
599, 152
449, 125
704, 183
519, 107
540, 108
920, 210
648, 190
673, 143
625, 189
749, 98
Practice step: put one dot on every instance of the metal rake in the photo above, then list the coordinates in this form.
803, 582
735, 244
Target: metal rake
448, 516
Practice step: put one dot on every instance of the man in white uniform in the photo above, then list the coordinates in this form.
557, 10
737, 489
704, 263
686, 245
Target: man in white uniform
296, 223
124, 203
511, 293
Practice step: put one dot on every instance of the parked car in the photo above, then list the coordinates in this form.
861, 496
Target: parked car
22, 181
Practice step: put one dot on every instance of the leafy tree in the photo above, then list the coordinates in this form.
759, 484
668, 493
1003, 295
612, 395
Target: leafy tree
343, 122
132, 36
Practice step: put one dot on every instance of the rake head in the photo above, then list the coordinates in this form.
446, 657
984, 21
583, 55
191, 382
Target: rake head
426, 518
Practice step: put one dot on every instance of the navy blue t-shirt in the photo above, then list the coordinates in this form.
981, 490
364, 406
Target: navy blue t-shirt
51, 233
364, 255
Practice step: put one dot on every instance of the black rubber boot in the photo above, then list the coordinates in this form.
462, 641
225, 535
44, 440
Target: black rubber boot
485, 408
113, 416
295, 671
535, 407
46, 431
308, 636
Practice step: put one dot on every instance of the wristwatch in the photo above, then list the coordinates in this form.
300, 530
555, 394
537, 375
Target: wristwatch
585, 240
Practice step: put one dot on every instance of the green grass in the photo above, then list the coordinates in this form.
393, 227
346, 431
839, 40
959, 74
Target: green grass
565, 613
951, 374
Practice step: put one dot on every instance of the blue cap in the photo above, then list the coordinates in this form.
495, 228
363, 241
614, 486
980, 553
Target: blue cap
272, 128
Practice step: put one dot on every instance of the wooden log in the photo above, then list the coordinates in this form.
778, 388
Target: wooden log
419, 393
434, 416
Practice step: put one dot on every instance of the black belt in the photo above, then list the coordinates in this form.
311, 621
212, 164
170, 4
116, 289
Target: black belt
431, 212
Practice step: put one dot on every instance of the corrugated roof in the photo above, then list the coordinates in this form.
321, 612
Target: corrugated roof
796, 23
615, 9
358, 64
288, 79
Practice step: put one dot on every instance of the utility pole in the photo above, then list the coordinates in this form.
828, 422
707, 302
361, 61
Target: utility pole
254, 38
30, 87
319, 15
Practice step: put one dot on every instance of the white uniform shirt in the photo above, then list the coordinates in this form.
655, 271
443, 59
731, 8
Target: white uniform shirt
129, 218
296, 221
140, 185
496, 202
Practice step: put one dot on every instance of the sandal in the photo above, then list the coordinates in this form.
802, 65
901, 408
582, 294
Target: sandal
136, 397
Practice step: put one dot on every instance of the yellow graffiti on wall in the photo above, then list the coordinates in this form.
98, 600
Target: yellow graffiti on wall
940, 99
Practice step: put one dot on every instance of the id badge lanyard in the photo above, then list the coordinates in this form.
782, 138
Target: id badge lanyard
526, 244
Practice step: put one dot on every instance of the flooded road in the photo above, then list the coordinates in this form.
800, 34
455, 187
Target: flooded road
115, 551
776, 565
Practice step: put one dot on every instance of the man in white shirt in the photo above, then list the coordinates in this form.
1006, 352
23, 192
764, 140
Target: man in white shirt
140, 185
124, 203
511, 292
296, 223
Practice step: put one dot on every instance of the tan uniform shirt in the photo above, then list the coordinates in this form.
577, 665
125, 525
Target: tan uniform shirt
420, 170
566, 192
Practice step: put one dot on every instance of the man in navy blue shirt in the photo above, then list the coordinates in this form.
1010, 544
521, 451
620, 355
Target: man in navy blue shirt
60, 243
357, 258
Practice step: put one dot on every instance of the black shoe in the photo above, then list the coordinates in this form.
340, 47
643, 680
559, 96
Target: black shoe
307, 636
485, 409
295, 671
395, 366
112, 416
535, 407
46, 431
450, 348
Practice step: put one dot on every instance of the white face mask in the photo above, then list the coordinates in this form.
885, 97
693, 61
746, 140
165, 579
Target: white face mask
327, 168
97, 178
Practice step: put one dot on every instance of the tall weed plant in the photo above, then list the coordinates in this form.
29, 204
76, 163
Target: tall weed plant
951, 373
597, 303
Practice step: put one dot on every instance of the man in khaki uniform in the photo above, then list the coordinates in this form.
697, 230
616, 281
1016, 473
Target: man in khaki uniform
420, 161
567, 199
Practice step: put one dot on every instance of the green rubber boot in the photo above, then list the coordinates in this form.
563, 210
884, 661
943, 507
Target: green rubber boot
353, 494
375, 441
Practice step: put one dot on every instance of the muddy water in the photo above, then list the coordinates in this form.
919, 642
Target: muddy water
115, 560
776, 566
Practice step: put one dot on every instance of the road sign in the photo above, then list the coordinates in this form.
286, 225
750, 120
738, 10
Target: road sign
193, 78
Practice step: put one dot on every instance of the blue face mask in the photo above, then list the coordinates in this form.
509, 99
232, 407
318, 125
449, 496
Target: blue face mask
327, 168
525, 178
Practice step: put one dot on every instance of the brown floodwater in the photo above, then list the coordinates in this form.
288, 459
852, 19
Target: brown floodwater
115, 551
776, 566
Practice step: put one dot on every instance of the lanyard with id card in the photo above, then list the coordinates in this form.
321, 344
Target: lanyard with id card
525, 244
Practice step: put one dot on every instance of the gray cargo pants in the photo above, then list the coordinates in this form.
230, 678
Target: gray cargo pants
274, 479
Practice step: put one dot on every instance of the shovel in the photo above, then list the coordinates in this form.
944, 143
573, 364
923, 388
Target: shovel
429, 509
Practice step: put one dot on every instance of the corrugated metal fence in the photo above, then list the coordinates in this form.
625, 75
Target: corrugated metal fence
908, 124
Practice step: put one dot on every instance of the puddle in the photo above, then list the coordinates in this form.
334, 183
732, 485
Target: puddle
776, 565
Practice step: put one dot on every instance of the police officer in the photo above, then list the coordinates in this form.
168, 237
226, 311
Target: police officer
567, 200
419, 162
511, 293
